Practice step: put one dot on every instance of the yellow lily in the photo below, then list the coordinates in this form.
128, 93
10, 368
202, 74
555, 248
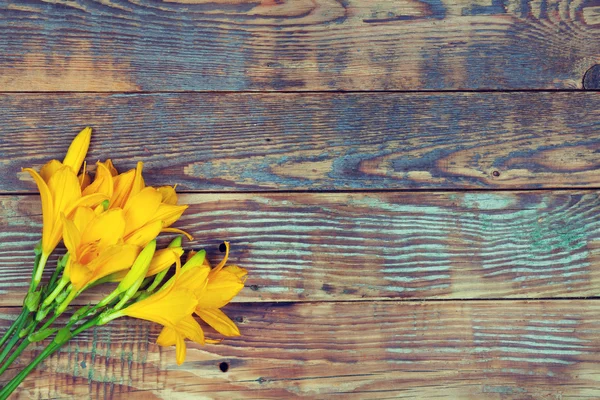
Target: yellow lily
223, 284
96, 246
60, 193
172, 307
148, 210
212, 289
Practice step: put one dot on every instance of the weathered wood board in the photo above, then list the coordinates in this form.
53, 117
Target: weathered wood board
179, 45
358, 350
353, 246
290, 142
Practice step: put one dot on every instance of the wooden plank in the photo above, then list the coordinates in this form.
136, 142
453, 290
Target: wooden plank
250, 142
301, 45
393, 350
351, 246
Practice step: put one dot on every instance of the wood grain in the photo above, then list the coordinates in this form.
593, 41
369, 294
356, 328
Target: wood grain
178, 45
352, 246
358, 350
250, 142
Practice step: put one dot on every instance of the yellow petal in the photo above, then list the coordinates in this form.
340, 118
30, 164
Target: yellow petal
49, 169
169, 196
84, 180
191, 329
167, 337
219, 321
113, 259
237, 271
109, 165
141, 208
65, 189
221, 288
180, 349
193, 279
86, 201
187, 328
79, 274
165, 307
71, 237
47, 211
168, 213
145, 234
138, 181
106, 229
122, 188
82, 216
103, 182
163, 259
78, 149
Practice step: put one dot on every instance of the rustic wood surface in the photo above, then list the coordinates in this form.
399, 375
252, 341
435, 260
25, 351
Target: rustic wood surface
412, 185
179, 45
359, 350
249, 142
359, 246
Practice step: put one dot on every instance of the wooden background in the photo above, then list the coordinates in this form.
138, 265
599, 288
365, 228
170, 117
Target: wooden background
413, 186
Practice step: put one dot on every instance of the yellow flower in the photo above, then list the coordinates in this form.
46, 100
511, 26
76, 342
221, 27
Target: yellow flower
223, 284
148, 210
96, 246
172, 307
187, 328
212, 289
60, 193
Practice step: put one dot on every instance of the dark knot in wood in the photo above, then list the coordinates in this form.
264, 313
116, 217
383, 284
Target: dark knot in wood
591, 79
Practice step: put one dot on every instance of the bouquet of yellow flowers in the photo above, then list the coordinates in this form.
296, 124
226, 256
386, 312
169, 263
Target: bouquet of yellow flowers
109, 227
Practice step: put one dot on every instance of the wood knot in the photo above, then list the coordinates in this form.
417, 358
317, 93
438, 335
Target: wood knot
591, 79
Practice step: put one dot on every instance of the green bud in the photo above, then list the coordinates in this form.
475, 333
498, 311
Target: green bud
138, 270
63, 336
79, 313
32, 301
63, 295
38, 249
62, 262
41, 335
196, 260
176, 242
105, 204
41, 314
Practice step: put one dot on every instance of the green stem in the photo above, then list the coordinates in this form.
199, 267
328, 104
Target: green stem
37, 271
48, 351
36, 265
16, 381
13, 340
14, 355
12, 328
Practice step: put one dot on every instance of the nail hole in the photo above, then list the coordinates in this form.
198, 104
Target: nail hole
222, 248
591, 79
254, 287
496, 174
239, 319
224, 367
267, 139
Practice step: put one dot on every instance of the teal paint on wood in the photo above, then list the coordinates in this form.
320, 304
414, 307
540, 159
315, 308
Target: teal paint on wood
352, 246
447, 350
256, 142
